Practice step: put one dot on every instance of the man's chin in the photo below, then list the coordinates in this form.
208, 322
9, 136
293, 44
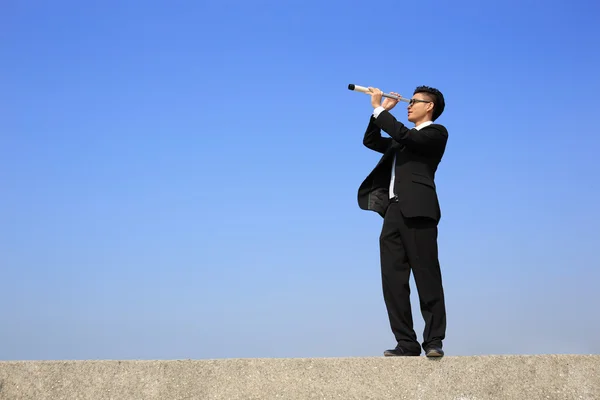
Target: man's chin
410, 119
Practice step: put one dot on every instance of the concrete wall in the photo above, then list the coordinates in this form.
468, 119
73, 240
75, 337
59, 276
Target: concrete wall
456, 378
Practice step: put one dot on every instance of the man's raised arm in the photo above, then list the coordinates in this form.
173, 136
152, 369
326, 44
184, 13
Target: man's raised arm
373, 139
430, 138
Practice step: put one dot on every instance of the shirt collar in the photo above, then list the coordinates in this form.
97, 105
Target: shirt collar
423, 125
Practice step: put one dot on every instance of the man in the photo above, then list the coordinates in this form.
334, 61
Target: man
401, 188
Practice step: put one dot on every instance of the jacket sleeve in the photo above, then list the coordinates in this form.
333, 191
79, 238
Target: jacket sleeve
373, 139
430, 138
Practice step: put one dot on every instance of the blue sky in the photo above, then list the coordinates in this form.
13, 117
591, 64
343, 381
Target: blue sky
179, 179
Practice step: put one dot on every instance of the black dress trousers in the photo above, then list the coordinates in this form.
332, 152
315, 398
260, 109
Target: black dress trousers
410, 244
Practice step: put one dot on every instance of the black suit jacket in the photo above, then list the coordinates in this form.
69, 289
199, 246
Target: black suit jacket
418, 153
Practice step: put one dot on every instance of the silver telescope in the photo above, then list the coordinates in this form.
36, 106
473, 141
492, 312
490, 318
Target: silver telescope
363, 89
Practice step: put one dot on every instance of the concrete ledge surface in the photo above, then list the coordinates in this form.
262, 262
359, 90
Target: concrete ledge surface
452, 378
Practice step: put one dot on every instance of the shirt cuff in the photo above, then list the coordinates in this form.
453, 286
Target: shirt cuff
378, 111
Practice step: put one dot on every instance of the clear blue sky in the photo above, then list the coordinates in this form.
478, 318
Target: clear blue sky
179, 179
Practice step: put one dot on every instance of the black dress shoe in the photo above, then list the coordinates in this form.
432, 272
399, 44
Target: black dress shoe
434, 351
401, 352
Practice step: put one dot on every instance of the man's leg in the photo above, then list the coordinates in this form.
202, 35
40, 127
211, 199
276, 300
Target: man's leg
395, 274
421, 244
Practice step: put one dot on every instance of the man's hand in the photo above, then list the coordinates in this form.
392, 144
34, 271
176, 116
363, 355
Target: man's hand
388, 103
376, 96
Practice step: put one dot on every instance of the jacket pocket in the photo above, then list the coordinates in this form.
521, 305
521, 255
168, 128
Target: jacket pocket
425, 180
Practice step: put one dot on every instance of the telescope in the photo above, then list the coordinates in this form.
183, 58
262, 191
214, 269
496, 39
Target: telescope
363, 89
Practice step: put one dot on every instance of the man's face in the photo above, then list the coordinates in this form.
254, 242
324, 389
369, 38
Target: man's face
418, 107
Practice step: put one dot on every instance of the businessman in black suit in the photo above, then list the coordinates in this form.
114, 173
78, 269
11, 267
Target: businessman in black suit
401, 188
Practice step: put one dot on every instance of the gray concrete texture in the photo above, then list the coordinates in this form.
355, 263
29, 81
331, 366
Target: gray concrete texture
452, 378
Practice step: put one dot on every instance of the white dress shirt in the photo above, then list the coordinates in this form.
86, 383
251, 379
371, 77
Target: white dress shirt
376, 113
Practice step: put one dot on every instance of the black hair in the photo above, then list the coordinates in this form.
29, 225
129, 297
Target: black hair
438, 100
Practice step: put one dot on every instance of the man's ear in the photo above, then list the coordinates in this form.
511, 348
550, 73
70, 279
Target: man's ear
430, 106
